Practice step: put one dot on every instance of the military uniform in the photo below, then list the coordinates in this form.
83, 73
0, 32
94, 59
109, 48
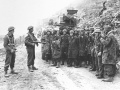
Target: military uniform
109, 56
30, 46
56, 51
82, 49
10, 57
72, 50
47, 47
64, 47
9, 46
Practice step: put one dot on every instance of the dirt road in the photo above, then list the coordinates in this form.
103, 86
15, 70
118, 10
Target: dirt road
50, 78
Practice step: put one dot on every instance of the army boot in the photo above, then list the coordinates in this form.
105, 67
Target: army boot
6, 74
34, 68
30, 69
110, 79
58, 65
13, 72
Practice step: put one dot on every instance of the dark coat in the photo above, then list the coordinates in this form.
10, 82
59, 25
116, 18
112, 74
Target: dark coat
110, 47
73, 47
64, 42
56, 47
82, 45
29, 39
8, 43
47, 39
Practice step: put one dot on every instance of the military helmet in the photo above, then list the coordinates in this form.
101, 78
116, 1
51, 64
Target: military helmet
64, 30
30, 27
11, 28
71, 31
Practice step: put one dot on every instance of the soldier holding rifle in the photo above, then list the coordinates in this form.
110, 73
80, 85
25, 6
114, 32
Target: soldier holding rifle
9, 46
30, 42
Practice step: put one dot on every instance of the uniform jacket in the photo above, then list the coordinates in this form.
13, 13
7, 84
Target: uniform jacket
9, 42
73, 47
110, 46
82, 45
56, 47
29, 40
47, 46
64, 41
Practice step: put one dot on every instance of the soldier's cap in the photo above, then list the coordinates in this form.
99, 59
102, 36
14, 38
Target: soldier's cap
30, 27
11, 28
64, 30
71, 31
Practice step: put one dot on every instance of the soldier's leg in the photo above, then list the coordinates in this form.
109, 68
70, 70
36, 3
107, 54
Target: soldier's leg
7, 62
12, 61
97, 66
33, 62
110, 71
101, 72
58, 62
12, 64
63, 53
30, 59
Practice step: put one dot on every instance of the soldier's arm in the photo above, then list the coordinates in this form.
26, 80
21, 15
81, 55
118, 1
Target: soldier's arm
6, 41
106, 41
27, 42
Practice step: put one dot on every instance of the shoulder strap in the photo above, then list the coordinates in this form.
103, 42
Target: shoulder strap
10, 42
31, 36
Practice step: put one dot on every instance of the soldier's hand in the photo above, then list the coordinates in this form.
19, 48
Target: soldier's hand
12, 51
33, 44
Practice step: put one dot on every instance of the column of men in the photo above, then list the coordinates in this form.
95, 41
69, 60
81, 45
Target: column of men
94, 48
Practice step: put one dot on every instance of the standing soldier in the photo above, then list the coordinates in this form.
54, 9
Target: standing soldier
109, 55
30, 46
72, 49
47, 40
82, 48
9, 46
64, 46
56, 50
98, 59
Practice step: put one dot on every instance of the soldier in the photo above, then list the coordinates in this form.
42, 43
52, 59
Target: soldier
88, 51
93, 68
9, 46
64, 46
72, 49
109, 56
98, 59
56, 50
30, 46
47, 40
82, 48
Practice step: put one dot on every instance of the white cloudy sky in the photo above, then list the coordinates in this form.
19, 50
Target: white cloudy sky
22, 13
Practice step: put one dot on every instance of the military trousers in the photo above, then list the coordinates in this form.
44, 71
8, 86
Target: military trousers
108, 69
31, 56
63, 54
9, 61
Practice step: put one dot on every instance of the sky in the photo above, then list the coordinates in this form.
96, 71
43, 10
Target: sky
23, 13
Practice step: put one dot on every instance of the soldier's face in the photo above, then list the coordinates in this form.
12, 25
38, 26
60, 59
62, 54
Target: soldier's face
11, 32
71, 33
31, 30
48, 33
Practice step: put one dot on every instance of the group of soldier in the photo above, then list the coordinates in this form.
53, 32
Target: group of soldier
10, 47
93, 48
